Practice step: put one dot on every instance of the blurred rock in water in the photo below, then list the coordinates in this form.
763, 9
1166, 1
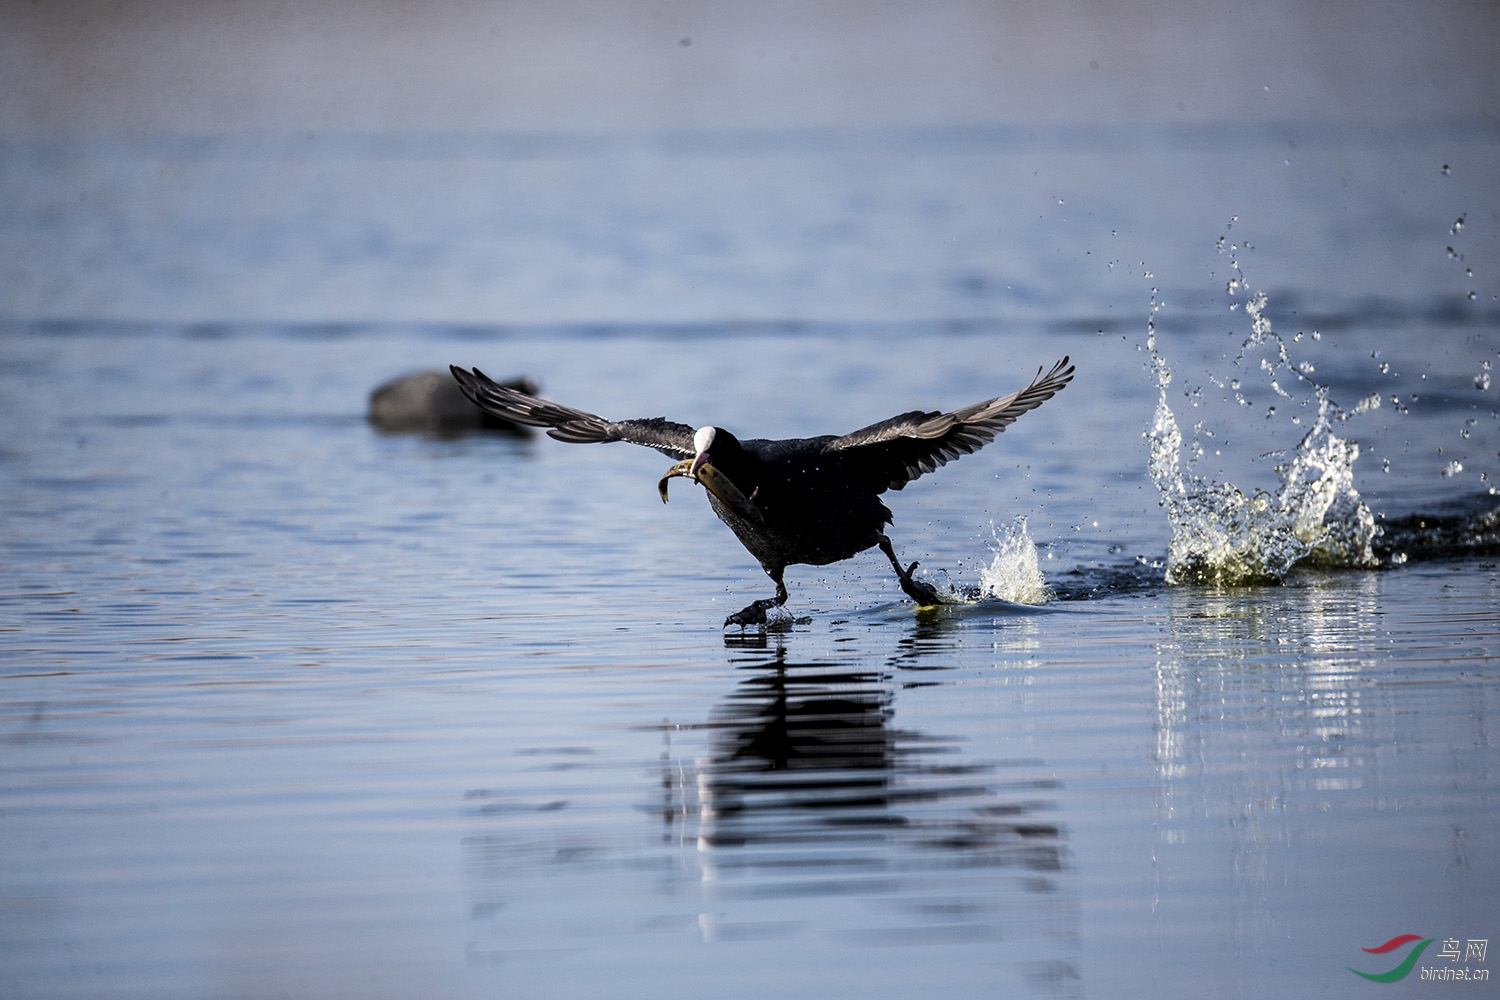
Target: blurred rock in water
431, 401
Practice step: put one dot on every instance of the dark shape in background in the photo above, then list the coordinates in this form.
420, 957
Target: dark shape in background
431, 402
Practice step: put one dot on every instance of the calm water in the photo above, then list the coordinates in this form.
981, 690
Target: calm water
289, 707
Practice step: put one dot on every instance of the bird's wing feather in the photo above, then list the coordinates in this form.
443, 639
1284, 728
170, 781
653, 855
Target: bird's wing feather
568, 424
893, 452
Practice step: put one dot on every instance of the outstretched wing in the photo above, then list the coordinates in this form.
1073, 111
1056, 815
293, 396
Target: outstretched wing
568, 424
892, 453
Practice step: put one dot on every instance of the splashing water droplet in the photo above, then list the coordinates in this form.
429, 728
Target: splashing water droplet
1452, 469
1014, 573
1222, 536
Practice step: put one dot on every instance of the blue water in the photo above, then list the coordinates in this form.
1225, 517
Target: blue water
1036, 224
292, 707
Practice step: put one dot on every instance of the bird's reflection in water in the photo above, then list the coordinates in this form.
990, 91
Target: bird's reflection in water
810, 790
796, 812
795, 748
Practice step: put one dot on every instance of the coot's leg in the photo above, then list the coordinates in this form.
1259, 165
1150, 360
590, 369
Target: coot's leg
755, 614
918, 591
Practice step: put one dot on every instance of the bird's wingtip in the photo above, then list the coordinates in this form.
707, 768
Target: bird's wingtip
471, 378
466, 376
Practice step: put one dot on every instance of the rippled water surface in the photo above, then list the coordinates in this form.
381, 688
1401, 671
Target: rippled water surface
292, 707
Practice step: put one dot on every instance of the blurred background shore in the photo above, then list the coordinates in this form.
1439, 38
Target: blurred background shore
582, 162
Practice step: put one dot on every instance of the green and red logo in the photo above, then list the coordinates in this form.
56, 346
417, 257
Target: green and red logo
1402, 968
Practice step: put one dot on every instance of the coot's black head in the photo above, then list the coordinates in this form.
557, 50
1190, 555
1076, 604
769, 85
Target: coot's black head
717, 446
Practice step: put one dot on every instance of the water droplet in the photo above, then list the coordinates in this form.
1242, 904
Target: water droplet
1222, 536
1458, 226
1452, 469
1014, 573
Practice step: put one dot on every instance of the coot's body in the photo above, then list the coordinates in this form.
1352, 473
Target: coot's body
801, 500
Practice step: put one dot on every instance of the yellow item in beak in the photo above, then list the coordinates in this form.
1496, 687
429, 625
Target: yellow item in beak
716, 483
682, 468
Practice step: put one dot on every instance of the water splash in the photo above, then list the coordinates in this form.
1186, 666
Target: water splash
1225, 536
1014, 573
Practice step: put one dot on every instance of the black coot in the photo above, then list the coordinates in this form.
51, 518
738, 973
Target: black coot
802, 500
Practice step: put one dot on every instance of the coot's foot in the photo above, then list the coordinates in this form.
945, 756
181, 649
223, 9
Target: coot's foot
752, 614
918, 590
